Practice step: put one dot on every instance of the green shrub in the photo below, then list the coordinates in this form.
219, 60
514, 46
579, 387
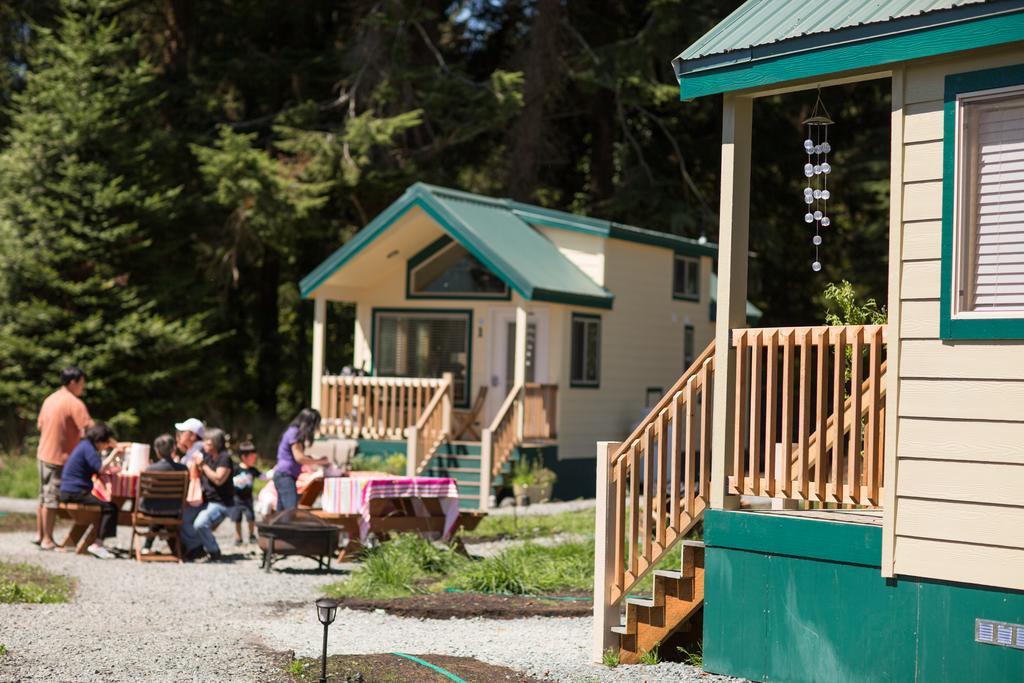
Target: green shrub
530, 569
402, 566
579, 523
19, 476
26, 583
650, 656
393, 463
610, 658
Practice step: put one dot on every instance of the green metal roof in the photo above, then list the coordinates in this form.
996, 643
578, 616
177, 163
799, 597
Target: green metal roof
753, 312
772, 41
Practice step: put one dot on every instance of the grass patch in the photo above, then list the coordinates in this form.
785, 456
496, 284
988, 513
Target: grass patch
610, 658
695, 658
650, 657
3, 650
525, 527
408, 565
393, 463
21, 582
17, 521
19, 477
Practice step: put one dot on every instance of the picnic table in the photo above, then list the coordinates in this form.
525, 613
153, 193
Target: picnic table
383, 505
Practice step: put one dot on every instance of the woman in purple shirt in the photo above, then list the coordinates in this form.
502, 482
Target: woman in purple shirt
291, 456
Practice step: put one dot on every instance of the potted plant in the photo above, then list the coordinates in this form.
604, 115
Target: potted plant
522, 477
542, 481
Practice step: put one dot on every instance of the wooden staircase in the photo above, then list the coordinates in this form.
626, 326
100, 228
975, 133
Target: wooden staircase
461, 460
678, 597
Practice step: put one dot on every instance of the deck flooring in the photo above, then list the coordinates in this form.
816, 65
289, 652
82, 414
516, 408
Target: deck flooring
871, 517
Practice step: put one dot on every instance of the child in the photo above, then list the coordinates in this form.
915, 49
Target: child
245, 473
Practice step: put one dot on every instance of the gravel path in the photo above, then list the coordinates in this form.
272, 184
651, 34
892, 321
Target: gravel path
546, 508
27, 505
215, 622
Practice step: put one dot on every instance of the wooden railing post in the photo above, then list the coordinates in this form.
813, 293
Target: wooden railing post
486, 462
446, 404
411, 451
606, 612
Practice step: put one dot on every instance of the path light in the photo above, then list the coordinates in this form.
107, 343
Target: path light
326, 610
817, 170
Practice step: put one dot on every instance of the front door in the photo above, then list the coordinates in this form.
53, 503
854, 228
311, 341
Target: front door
503, 354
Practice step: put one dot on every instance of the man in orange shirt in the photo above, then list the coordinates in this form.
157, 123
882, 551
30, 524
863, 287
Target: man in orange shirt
62, 421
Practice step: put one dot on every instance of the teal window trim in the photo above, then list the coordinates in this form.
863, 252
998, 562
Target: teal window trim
376, 312
575, 382
832, 59
424, 254
966, 328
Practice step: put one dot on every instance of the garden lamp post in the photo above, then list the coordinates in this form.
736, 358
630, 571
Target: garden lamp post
326, 610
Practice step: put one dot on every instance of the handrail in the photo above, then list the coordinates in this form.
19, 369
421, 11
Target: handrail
505, 429
363, 407
540, 411
660, 476
796, 436
431, 429
680, 383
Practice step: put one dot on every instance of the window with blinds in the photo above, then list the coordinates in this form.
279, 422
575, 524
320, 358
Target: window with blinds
990, 226
585, 363
428, 344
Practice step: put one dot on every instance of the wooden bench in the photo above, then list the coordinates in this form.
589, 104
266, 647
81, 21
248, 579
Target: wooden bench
85, 524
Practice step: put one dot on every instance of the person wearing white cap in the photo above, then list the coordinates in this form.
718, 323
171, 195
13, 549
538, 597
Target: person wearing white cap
189, 438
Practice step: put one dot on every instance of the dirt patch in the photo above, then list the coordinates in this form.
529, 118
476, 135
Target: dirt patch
393, 669
25, 521
469, 605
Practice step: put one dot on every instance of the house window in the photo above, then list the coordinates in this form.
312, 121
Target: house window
510, 360
586, 351
686, 278
452, 272
424, 344
983, 206
689, 346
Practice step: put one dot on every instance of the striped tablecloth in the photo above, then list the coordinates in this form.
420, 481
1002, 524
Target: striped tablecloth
115, 485
352, 495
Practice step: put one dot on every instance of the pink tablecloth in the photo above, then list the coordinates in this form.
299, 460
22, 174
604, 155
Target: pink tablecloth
352, 495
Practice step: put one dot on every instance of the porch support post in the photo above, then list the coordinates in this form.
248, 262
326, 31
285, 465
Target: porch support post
522, 320
319, 341
733, 240
606, 613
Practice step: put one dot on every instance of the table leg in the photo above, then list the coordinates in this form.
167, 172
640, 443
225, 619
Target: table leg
268, 554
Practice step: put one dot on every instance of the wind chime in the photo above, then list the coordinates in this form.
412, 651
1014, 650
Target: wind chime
817, 170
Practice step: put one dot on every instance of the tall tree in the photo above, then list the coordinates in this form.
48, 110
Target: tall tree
82, 193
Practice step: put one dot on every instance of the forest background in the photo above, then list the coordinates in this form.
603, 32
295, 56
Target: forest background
169, 170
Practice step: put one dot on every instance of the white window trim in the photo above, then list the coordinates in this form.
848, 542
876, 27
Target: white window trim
959, 218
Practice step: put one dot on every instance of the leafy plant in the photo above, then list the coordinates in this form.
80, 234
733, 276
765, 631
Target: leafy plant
295, 667
393, 463
522, 472
580, 523
842, 307
19, 477
399, 567
610, 658
693, 658
650, 656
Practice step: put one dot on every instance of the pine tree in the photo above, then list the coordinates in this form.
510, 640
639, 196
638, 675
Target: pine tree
81, 196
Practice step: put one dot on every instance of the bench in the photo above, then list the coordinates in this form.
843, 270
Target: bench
85, 524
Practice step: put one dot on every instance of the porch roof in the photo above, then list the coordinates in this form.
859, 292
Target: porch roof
766, 42
501, 234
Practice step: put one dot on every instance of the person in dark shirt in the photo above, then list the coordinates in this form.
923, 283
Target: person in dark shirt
214, 467
76, 483
244, 476
163, 448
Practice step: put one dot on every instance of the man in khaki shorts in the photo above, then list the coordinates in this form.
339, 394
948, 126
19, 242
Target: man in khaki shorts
62, 420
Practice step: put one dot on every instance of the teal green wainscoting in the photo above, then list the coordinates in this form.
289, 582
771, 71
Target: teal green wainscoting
790, 599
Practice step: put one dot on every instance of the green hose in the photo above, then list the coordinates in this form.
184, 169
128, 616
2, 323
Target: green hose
427, 664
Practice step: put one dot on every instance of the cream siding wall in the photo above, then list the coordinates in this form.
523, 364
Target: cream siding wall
586, 251
642, 346
959, 499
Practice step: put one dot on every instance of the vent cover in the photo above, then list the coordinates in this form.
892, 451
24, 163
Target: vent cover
999, 633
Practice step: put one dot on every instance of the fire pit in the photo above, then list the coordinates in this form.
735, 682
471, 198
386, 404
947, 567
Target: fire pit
297, 532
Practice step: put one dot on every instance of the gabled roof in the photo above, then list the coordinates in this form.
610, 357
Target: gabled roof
772, 41
500, 233
753, 312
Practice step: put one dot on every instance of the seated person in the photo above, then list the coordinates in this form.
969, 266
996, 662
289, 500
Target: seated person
163, 448
214, 469
76, 483
244, 475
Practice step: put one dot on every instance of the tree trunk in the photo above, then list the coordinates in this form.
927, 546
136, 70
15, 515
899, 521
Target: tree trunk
268, 356
602, 145
528, 135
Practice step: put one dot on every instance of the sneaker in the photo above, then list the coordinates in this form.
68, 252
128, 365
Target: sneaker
252, 539
195, 554
214, 557
100, 552
238, 542
146, 550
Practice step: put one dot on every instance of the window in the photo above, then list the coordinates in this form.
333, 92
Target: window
586, 351
424, 344
686, 278
689, 346
510, 360
450, 271
983, 206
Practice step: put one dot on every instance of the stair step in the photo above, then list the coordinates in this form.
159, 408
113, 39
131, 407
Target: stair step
668, 574
621, 630
640, 602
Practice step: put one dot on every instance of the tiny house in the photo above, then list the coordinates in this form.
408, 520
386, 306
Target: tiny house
892, 455
486, 329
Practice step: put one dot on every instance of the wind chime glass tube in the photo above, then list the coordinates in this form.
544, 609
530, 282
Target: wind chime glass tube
817, 170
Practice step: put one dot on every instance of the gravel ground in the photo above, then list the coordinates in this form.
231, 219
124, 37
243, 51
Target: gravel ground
17, 504
215, 622
508, 508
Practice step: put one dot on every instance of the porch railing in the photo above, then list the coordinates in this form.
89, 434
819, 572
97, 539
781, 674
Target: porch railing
810, 407
374, 407
432, 428
529, 412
